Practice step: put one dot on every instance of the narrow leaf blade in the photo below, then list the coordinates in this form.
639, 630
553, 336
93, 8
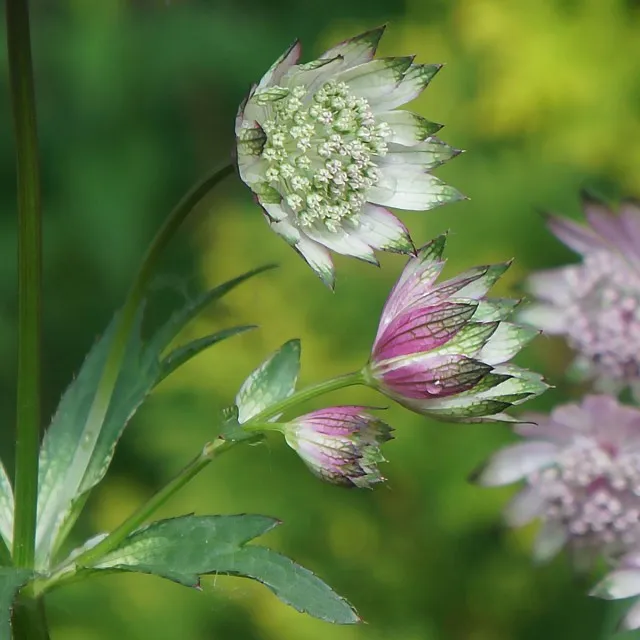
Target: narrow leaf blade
183, 354
181, 318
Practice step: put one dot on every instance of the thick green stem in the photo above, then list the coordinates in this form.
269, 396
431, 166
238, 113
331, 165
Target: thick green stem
109, 378
29, 621
29, 279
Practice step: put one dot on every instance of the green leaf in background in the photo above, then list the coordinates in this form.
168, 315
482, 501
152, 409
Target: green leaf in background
182, 549
183, 354
11, 580
6, 507
71, 463
274, 380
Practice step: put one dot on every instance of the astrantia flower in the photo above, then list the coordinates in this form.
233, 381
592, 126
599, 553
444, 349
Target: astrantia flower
340, 444
443, 348
596, 304
582, 469
623, 582
324, 149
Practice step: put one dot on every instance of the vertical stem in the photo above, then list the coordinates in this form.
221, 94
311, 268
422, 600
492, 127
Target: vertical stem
29, 279
29, 620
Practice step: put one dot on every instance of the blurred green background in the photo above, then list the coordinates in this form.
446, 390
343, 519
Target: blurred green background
136, 101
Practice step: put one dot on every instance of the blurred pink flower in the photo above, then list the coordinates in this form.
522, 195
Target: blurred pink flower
340, 444
443, 348
621, 583
595, 304
581, 465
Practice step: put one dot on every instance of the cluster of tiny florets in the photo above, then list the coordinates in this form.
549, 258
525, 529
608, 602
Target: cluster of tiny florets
595, 494
603, 316
320, 151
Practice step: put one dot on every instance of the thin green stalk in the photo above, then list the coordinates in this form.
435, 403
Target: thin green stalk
109, 377
29, 279
346, 380
210, 451
213, 449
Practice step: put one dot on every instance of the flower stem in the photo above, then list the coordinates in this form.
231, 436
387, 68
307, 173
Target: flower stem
212, 450
29, 279
106, 385
135, 520
333, 384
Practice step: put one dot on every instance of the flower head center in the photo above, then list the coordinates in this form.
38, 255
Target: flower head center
594, 494
603, 315
320, 151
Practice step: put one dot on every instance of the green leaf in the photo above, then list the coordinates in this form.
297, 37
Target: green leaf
73, 461
11, 581
183, 354
274, 380
181, 318
293, 584
183, 549
6, 507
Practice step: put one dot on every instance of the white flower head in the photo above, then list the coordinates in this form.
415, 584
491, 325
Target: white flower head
324, 149
582, 470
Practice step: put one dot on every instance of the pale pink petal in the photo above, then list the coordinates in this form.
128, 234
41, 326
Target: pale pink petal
516, 462
524, 507
631, 619
578, 237
621, 583
544, 316
551, 538
551, 285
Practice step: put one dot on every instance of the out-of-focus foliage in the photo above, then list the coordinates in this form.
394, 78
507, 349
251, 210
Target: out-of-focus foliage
136, 100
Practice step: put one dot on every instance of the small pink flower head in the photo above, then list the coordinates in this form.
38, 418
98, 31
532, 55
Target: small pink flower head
595, 304
340, 444
443, 348
581, 465
621, 583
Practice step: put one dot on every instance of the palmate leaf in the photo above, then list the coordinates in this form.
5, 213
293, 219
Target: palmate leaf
11, 580
183, 549
74, 456
274, 380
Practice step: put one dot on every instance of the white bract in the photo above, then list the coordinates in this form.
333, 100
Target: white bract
325, 151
